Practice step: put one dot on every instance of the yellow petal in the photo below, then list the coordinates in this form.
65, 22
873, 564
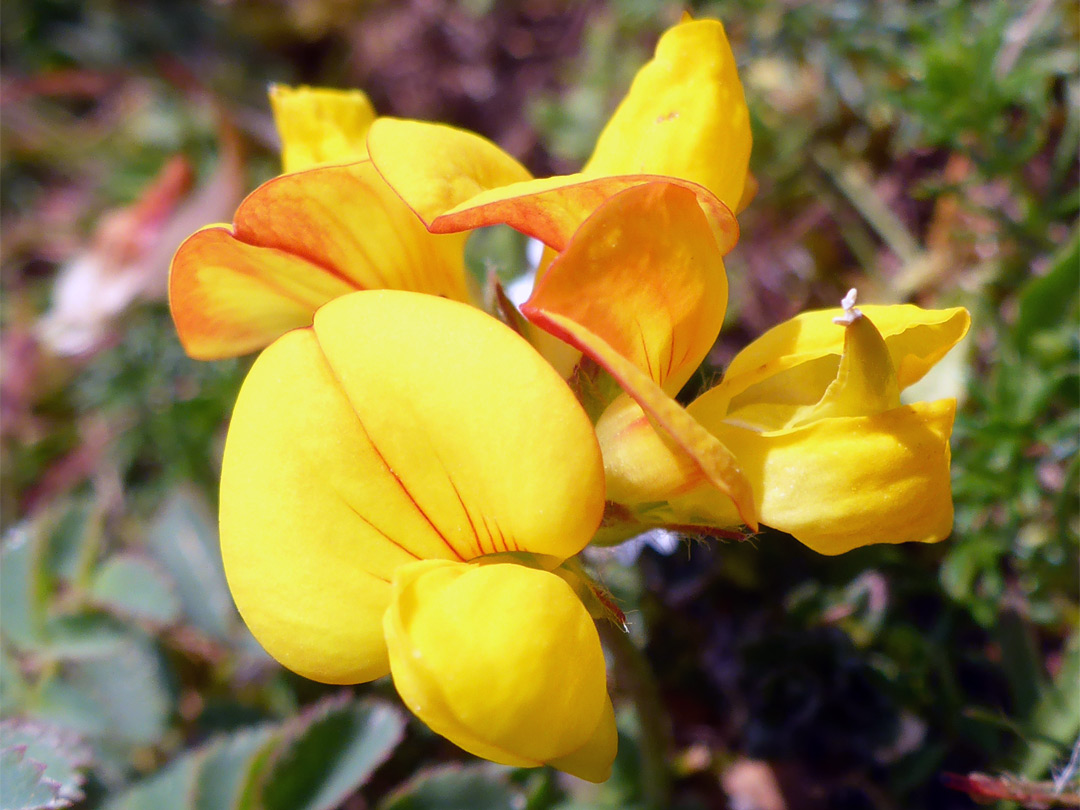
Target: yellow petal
501, 659
592, 762
319, 126
865, 381
297, 242
370, 441
641, 465
685, 116
434, 167
792, 364
644, 274
838, 484
716, 463
552, 208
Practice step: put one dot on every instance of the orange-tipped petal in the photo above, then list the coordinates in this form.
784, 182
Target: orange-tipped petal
684, 116
320, 126
398, 427
435, 167
299, 241
717, 465
552, 208
643, 274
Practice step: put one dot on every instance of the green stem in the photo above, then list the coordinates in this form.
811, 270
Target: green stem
636, 677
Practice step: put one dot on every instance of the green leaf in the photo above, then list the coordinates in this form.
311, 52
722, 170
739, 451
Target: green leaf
62, 754
184, 540
1057, 716
1046, 301
13, 686
172, 788
134, 587
23, 586
80, 636
475, 787
120, 696
24, 783
331, 751
231, 766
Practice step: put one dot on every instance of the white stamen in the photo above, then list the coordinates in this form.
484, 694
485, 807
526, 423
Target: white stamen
851, 312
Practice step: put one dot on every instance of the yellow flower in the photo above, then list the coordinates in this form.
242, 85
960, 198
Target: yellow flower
396, 502
812, 412
327, 227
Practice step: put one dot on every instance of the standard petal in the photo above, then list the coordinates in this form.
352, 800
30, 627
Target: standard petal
685, 116
716, 463
501, 659
435, 167
644, 274
370, 441
319, 125
838, 484
792, 364
298, 241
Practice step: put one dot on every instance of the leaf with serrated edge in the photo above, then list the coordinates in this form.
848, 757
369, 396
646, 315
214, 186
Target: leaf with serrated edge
24, 784
62, 752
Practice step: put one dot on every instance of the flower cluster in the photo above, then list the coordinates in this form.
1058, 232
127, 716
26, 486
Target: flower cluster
407, 479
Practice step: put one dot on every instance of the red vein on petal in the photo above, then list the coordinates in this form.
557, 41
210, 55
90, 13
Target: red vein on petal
468, 517
385, 463
408, 493
390, 539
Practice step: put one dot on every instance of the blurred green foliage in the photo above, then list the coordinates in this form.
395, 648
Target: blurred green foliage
922, 151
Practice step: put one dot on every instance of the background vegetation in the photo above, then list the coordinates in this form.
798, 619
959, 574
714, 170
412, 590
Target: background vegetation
918, 151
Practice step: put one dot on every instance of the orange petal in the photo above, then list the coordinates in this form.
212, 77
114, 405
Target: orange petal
643, 274
716, 463
434, 167
297, 242
552, 208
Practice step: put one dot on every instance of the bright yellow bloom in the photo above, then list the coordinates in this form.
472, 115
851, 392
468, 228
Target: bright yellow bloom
327, 227
395, 502
812, 412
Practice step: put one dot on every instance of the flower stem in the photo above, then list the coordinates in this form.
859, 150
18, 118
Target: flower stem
636, 678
